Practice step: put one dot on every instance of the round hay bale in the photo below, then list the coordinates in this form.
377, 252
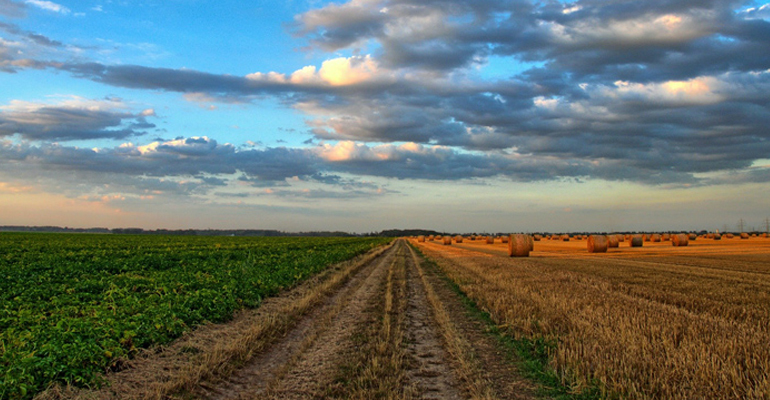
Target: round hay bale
504, 239
430, 237
612, 241
421, 239
729, 236
447, 240
565, 238
765, 235
716, 236
531, 241
636, 241
597, 244
537, 238
621, 238
680, 240
665, 237
693, 236
490, 240
518, 245
744, 235
655, 237
458, 239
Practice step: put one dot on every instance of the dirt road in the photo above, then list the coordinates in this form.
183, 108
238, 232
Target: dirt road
385, 326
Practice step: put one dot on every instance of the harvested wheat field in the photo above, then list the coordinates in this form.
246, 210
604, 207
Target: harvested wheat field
651, 322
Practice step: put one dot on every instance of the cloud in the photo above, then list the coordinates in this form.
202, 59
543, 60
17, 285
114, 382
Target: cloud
72, 118
48, 6
11, 8
659, 91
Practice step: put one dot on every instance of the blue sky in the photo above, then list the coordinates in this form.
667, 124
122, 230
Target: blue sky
364, 115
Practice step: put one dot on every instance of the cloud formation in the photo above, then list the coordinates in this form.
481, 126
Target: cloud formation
657, 92
72, 118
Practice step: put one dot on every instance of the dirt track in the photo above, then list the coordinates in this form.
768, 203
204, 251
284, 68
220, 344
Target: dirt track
386, 326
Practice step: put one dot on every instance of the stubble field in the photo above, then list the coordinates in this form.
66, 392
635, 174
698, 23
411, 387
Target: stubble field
657, 321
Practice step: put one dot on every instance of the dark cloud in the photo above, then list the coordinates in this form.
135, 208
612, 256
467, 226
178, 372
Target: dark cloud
34, 37
12, 8
75, 119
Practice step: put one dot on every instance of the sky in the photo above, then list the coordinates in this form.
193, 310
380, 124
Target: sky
364, 115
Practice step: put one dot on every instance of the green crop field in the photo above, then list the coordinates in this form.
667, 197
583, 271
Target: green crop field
72, 305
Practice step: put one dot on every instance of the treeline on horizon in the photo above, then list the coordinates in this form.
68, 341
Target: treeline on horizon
181, 232
276, 233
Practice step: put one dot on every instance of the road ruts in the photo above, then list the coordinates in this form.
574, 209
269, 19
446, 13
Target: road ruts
393, 330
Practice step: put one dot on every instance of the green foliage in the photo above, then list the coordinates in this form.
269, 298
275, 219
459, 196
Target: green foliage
71, 306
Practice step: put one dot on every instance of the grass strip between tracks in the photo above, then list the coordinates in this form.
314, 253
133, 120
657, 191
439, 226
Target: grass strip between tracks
531, 355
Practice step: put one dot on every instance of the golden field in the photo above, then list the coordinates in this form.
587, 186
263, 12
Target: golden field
653, 322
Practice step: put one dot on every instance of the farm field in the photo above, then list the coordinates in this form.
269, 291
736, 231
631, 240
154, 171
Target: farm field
74, 306
640, 323
653, 322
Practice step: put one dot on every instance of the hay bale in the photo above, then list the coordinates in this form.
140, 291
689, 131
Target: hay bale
621, 238
680, 240
504, 239
421, 239
597, 244
565, 238
716, 236
655, 238
490, 240
537, 238
447, 240
744, 235
665, 237
531, 241
765, 235
729, 236
613, 241
636, 241
518, 245
458, 239
693, 236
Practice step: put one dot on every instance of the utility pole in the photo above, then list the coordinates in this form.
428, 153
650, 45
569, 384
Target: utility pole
741, 223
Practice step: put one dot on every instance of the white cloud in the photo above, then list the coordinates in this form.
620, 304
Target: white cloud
341, 71
49, 6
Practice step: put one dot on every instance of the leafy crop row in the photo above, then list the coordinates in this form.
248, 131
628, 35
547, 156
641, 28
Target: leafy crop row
72, 306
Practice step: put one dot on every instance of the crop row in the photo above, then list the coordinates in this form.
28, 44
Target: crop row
73, 306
